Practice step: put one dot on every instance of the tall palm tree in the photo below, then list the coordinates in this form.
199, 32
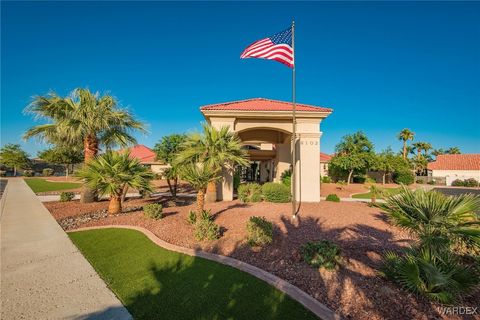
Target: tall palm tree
404, 136
219, 149
453, 150
110, 173
199, 176
422, 147
83, 118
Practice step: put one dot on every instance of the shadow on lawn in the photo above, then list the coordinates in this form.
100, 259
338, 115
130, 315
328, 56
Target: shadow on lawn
357, 278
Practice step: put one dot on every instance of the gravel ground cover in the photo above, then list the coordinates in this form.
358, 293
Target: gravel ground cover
355, 290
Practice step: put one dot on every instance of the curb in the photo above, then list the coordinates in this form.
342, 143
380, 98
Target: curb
319, 309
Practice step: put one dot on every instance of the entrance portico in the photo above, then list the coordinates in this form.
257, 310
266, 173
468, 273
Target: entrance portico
265, 128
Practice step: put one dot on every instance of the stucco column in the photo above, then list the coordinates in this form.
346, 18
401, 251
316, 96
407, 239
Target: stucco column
225, 186
308, 164
283, 160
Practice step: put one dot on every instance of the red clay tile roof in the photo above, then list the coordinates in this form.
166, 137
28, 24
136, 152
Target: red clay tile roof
456, 162
262, 104
142, 153
325, 157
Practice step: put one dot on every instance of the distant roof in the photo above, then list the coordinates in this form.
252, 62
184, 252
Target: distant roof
325, 157
143, 153
456, 162
262, 104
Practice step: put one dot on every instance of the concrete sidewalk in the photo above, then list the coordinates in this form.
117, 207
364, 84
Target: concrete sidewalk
43, 275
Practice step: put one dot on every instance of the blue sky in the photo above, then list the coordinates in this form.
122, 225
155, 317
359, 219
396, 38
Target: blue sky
381, 66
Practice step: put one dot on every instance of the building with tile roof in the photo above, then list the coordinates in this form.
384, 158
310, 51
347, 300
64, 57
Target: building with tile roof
455, 166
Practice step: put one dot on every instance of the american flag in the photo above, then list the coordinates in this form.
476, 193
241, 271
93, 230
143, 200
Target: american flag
277, 47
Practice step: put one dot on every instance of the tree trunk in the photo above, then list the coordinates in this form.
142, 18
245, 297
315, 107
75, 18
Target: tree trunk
374, 198
14, 171
66, 172
200, 201
404, 149
90, 145
383, 178
124, 193
115, 205
349, 177
211, 195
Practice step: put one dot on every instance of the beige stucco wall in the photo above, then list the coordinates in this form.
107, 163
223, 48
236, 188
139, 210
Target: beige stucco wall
451, 175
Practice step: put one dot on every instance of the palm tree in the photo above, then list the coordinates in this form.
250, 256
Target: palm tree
404, 136
199, 176
437, 221
83, 118
422, 146
453, 150
110, 173
219, 149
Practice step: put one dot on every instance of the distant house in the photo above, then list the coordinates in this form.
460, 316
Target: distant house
455, 166
147, 157
324, 160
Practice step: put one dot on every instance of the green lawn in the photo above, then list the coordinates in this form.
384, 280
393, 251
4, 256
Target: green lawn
42, 185
154, 283
368, 195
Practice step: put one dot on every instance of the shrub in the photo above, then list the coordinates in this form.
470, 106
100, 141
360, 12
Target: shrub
67, 196
250, 192
431, 182
259, 231
206, 215
276, 192
236, 180
403, 177
192, 217
47, 172
370, 180
153, 211
3, 173
321, 254
457, 183
470, 183
419, 181
286, 177
206, 229
326, 179
28, 173
359, 179
333, 197
440, 277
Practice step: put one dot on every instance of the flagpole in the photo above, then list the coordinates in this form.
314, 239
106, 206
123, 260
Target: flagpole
294, 131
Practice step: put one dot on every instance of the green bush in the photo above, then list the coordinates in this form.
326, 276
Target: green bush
250, 192
47, 172
359, 179
440, 277
286, 177
420, 181
431, 182
206, 229
206, 215
403, 177
236, 180
67, 196
192, 217
370, 180
333, 197
326, 179
28, 173
471, 183
276, 192
153, 211
321, 254
259, 231
458, 183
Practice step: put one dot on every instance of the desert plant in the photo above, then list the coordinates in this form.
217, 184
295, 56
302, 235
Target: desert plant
458, 183
67, 196
153, 211
375, 192
405, 177
326, 179
333, 197
112, 172
259, 231
276, 192
28, 173
192, 217
404, 136
437, 221
250, 192
432, 182
47, 172
206, 229
440, 277
83, 118
286, 177
321, 254
470, 183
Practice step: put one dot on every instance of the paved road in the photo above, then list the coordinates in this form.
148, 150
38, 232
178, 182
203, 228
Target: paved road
43, 275
457, 191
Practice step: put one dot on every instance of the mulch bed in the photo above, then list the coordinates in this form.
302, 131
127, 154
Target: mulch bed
355, 291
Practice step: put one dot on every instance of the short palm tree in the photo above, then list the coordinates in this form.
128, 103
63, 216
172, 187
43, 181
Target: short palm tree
404, 136
83, 118
110, 173
439, 222
219, 149
375, 192
199, 176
